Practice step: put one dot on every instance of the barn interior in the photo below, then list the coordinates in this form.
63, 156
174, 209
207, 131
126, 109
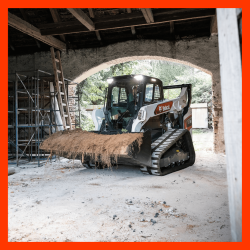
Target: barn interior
50, 51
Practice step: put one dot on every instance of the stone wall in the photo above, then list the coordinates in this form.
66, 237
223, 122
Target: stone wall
201, 53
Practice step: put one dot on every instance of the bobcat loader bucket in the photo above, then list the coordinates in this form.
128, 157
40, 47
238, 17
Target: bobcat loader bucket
133, 154
101, 149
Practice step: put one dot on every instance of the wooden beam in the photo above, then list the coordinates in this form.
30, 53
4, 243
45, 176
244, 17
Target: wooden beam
31, 30
213, 25
92, 15
172, 29
57, 19
125, 20
38, 44
148, 15
83, 18
98, 35
25, 17
11, 46
132, 27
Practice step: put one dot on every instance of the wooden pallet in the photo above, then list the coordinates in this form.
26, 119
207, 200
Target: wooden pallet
61, 89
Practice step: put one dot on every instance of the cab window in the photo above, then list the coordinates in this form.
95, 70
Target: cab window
149, 92
123, 95
119, 96
115, 95
157, 93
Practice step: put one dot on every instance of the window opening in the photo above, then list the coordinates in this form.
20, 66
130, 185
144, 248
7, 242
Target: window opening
149, 92
171, 93
157, 94
115, 95
123, 96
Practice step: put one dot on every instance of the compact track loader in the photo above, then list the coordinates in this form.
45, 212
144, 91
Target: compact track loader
135, 107
135, 104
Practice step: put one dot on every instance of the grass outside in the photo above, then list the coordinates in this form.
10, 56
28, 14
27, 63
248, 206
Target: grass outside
202, 139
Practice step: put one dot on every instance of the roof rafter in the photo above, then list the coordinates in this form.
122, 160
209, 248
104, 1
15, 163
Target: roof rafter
31, 30
132, 27
92, 15
25, 17
148, 15
122, 21
83, 18
213, 25
56, 19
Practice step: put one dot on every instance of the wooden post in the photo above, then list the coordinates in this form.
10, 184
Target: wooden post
231, 88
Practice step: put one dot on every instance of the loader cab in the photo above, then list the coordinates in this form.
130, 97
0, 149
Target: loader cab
122, 90
127, 94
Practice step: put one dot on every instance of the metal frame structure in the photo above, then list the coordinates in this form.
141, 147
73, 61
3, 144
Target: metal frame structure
32, 114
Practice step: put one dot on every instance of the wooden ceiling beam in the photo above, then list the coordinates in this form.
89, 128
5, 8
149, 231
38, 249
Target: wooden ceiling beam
11, 46
213, 25
92, 15
31, 30
148, 15
123, 21
132, 27
83, 18
25, 17
38, 44
57, 19
172, 29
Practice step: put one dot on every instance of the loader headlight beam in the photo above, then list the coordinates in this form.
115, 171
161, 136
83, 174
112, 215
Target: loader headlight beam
138, 77
142, 115
110, 80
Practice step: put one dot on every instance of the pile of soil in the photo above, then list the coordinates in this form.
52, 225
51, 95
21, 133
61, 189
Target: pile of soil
75, 143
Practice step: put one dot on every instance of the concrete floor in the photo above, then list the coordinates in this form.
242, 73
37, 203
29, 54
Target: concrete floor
63, 201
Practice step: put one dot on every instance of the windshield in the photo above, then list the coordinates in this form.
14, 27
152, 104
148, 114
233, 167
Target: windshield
119, 96
124, 98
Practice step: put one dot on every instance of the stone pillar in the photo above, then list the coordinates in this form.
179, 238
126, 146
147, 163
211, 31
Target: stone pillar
219, 144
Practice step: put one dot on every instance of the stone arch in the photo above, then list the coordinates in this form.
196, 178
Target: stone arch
105, 65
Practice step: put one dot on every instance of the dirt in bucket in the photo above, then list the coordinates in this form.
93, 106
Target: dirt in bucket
72, 143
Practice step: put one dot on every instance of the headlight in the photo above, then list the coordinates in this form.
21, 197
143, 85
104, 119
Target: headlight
142, 115
138, 77
110, 80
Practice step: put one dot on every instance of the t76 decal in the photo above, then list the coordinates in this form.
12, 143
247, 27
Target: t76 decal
163, 107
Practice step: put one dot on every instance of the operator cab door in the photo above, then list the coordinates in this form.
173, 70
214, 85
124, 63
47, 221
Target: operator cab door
153, 93
119, 97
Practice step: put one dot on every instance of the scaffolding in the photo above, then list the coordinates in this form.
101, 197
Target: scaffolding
33, 114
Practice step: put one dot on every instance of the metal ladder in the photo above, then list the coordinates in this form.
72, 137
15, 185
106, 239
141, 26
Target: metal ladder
61, 90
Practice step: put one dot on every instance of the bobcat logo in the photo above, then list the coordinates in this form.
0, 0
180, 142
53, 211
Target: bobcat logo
164, 107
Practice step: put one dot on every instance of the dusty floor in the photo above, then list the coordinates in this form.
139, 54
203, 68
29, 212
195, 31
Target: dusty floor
63, 201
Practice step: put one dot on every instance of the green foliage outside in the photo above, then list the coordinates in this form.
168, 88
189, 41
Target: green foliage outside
92, 89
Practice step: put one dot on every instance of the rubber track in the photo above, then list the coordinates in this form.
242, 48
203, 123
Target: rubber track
159, 147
